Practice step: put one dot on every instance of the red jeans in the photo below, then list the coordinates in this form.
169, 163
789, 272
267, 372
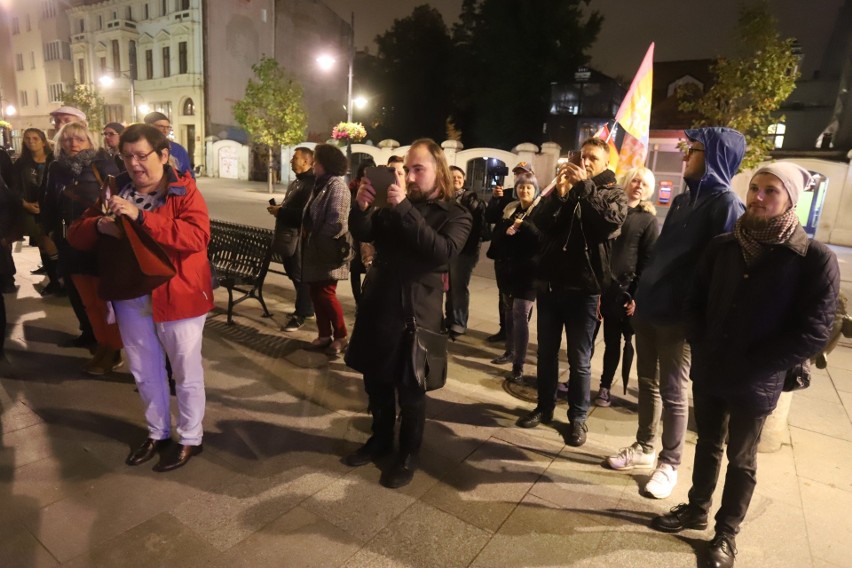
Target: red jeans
328, 310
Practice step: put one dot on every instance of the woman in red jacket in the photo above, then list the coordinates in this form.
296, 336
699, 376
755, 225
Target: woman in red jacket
170, 320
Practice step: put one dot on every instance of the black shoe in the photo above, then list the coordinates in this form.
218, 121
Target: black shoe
41, 270
10, 288
146, 451
497, 337
516, 376
295, 323
536, 417
53, 289
453, 335
577, 437
82, 340
722, 552
371, 450
400, 474
680, 517
178, 458
506, 357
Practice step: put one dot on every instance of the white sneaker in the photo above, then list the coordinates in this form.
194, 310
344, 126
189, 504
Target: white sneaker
631, 457
662, 481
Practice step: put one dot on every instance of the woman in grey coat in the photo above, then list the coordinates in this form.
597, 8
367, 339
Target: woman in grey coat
326, 246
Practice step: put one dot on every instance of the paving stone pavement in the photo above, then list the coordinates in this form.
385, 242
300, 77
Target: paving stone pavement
270, 489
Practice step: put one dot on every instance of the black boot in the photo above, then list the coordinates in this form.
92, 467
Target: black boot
401, 472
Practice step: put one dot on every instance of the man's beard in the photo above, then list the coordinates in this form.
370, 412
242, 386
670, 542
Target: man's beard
752, 222
417, 195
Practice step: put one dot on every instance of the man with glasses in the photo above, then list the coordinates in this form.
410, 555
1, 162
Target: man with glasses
707, 208
162, 123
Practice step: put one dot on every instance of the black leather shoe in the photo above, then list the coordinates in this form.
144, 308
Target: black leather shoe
722, 552
503, 359
400, 474
535, 418
515, 376
178, 458
82, 340
497, 337
41, 270
371, 450
577, 437
681, 517
146, 451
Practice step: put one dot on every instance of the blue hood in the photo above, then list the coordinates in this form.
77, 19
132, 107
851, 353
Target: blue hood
724, 149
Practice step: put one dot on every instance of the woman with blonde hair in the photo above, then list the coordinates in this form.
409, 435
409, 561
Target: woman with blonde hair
74, 182
630, 254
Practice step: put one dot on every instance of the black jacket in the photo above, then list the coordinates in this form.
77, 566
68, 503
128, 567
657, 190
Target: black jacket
577, 232
414, 244
748, 325
514, 256
476, 207
288, 221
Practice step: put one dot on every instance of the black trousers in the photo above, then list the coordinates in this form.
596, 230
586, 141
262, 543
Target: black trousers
384, 392
715, 419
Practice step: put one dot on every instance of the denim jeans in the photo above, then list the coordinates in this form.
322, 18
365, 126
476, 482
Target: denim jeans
662, 363
458, 296
715, 420
577, 313
304, 306
518, 312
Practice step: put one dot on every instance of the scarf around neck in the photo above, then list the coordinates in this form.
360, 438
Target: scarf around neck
754, 242
76, 163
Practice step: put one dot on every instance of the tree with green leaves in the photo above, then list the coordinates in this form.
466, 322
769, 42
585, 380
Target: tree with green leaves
89, 100
272, 111
751, 84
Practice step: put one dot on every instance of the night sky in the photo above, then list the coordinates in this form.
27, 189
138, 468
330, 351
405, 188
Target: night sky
682, 29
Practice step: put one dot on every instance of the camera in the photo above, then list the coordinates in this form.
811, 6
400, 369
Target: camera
493, 175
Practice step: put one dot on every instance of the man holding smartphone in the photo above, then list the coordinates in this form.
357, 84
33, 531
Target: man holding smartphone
288, 226
416, 234
578, 221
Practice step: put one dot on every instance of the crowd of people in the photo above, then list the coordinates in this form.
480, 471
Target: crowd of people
724, 298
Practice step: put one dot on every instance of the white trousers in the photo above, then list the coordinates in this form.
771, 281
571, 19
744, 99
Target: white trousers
146, 345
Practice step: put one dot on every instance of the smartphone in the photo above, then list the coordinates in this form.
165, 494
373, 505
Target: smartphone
575, 157
381, 177
272, 201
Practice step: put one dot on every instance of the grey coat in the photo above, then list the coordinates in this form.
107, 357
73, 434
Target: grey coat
325, 225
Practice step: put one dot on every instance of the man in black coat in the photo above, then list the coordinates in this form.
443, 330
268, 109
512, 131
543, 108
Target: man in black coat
416, 236
288, 228
762, 301
578, 221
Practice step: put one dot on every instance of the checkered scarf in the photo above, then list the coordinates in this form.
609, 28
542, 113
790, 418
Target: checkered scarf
753, 242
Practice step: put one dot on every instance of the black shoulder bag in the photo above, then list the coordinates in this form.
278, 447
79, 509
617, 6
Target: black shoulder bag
424, 351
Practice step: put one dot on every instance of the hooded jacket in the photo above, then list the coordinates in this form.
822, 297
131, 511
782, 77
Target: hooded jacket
708, 208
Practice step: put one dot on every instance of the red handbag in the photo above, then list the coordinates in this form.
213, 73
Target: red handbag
132, 265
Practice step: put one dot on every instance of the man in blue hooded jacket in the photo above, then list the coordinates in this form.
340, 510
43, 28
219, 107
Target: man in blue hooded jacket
708, 208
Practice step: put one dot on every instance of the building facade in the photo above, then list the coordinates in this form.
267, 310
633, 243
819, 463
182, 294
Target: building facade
144, 55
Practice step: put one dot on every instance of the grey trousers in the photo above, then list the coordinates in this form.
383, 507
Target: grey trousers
662, 362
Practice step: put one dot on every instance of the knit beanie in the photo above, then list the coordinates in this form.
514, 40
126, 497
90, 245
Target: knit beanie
794, 178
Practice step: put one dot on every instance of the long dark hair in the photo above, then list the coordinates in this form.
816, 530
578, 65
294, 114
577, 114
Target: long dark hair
26, 153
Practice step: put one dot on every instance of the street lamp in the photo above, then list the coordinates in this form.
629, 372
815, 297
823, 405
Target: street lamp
107, 81
326, 62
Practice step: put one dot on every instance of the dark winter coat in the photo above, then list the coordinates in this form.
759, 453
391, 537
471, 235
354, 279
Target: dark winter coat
66, 197
577, 233
748, 325
288, 221
476, 207
414, 244
707, 209
514, 255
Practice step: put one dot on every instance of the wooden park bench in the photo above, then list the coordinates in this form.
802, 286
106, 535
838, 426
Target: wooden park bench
240, 256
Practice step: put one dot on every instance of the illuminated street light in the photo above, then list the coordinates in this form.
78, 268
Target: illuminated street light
107, 81
359, 102
326, 62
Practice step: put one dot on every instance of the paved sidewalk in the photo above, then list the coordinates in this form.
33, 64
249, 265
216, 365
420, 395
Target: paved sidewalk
269, 489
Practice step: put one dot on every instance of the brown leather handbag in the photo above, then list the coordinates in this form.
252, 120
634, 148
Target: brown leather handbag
133, 265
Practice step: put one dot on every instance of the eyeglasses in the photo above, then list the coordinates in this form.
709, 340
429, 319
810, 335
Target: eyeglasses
110, 133
139, 157
691, 150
